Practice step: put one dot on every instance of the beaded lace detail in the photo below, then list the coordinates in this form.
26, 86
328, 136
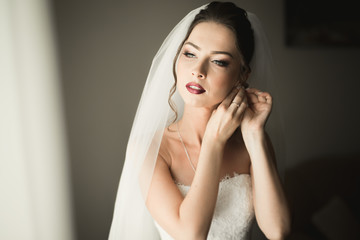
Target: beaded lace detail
234, 210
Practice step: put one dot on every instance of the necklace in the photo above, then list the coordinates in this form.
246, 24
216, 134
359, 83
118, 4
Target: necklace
182, 142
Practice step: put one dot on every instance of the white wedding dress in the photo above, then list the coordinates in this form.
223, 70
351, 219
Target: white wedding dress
234, 211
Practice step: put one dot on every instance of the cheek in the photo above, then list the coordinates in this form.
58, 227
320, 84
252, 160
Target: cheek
222, 85
181, 69
181, 78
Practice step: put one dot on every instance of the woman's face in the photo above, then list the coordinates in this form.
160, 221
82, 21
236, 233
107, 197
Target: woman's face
208, 66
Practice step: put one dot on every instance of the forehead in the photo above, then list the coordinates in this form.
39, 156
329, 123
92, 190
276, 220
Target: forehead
213, 36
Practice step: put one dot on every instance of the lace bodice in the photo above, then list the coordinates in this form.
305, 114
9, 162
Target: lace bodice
234, 210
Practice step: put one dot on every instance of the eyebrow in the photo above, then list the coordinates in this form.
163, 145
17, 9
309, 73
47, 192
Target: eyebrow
214, 52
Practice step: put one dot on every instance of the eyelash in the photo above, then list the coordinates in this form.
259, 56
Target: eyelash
221, 63
188, 55
217, 62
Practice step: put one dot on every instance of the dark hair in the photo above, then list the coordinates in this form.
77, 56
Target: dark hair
231, 16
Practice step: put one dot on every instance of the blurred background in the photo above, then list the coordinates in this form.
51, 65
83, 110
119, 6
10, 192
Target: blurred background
71, 79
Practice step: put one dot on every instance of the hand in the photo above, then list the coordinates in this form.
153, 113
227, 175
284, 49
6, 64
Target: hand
257, 112
228, 116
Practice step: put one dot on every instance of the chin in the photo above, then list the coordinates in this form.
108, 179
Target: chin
200, 104
200, 101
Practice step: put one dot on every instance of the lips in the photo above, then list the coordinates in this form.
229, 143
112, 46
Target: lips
195, 88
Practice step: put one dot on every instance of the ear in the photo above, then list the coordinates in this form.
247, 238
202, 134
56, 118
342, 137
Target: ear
242, 79
247, 75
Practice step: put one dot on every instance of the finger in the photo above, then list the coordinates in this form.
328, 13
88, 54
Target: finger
261, 96
227, 101
265, 96
241, 109
252, 98
269, 99
238, 99
246, 101
253, 90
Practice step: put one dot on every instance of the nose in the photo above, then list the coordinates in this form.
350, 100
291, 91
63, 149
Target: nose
199, 71
198, 75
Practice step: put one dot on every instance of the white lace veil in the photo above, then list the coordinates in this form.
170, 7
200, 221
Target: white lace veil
131, 219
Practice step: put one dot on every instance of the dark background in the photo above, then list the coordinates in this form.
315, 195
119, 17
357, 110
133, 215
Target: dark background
106, 48
322, 23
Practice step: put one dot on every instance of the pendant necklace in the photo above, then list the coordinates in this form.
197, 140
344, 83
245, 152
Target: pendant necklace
182, 142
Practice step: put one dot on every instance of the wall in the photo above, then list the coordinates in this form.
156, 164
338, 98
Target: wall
106, 48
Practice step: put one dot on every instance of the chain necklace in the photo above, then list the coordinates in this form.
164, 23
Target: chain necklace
182, 142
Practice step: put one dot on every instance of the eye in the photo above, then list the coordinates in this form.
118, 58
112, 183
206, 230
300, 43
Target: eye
221, 63
189, 55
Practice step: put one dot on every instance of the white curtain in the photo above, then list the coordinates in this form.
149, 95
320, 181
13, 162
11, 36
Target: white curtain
35, 201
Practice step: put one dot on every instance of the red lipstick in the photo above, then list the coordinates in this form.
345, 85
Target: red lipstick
195, 88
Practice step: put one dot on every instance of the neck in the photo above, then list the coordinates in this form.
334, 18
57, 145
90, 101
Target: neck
193, 124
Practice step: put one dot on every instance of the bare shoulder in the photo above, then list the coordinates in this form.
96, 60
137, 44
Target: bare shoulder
168, 138
163, 198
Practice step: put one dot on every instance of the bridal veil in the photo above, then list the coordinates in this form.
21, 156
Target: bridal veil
131, 219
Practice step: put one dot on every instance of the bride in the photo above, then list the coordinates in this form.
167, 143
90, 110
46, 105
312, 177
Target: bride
203, 166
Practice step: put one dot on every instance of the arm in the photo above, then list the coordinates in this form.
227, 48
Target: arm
190, 217
271, 207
